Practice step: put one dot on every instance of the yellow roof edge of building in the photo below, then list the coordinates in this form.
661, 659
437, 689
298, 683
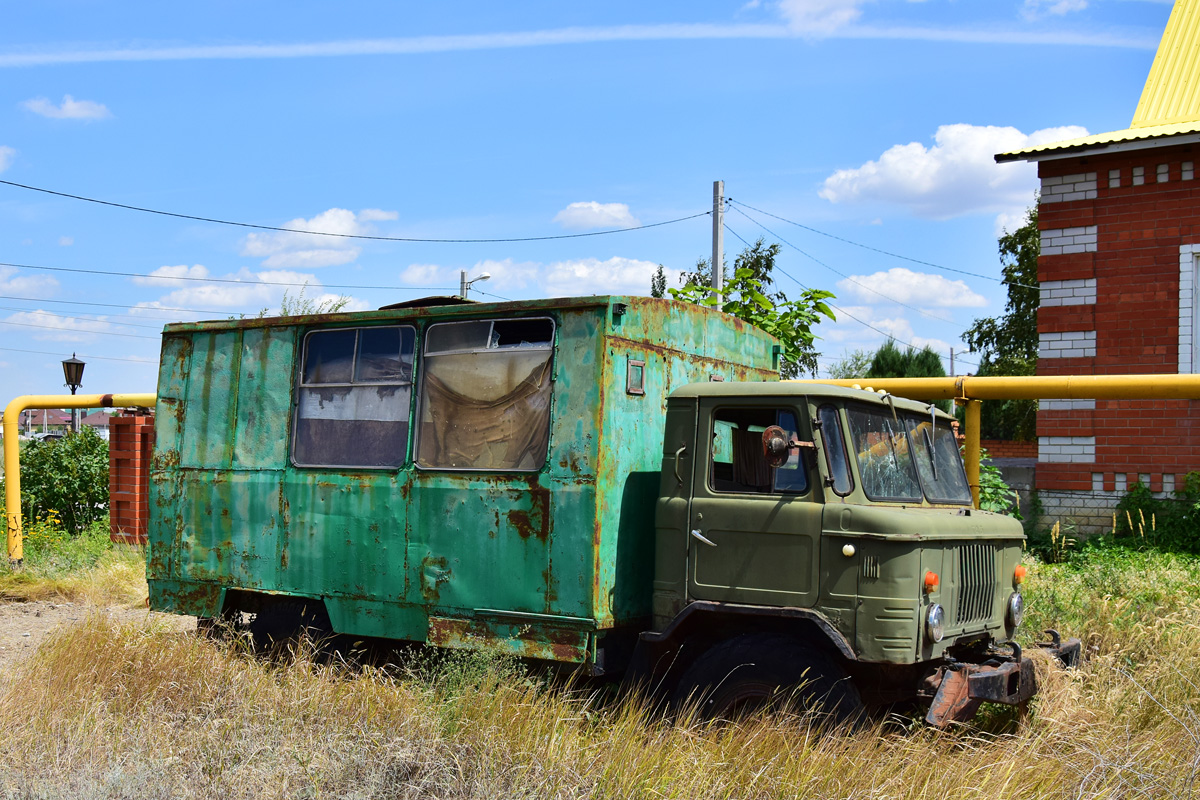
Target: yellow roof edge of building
1170, 101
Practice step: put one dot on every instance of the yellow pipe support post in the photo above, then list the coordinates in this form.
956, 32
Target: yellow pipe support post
12, 447
972, 447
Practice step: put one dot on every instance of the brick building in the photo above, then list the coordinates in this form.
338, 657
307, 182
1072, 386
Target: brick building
1119, 217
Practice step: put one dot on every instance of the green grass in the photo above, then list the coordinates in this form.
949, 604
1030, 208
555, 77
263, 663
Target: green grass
142, 710
87, 566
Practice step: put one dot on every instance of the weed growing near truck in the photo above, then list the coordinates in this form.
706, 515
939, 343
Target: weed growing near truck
142, 710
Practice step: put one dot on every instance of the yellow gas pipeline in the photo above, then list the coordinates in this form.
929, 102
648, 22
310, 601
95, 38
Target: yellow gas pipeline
12, 448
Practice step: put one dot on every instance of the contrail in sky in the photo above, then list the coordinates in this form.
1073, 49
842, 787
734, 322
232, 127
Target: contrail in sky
417, 45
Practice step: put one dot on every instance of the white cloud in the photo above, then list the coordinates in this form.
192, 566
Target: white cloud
850, 334
902, 285
13, 283
245, 291
70, 108
305, 251
577, 277
1036, 9
819, 17
582, 216
957, 175
6, 157
45, 326
66, 241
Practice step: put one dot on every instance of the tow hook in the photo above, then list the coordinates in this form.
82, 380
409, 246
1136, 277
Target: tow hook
1067, 652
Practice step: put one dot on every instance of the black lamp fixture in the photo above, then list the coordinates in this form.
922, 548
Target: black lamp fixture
73, 372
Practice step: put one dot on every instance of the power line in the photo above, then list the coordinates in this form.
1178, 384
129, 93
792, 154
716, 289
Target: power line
844, 275
110, 305
78, 330
224, 280
348, 235
842, 310
90, 358
876, 249
85, 319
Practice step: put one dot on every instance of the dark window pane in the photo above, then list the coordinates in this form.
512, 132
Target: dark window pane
385, 355
360, 423
329, 356
835, 450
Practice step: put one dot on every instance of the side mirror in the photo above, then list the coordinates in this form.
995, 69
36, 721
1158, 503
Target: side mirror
776, 446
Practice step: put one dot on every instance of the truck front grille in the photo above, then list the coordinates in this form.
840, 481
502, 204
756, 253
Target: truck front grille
976, 582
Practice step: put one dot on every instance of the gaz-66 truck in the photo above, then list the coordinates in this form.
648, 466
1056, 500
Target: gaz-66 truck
621, 484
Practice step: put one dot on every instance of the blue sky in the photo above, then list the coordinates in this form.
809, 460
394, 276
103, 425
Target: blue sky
862, 123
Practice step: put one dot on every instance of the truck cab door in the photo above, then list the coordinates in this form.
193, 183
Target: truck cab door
754, 531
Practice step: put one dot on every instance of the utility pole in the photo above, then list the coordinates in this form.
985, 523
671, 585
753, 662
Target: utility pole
462, 284
951, 362
718, 250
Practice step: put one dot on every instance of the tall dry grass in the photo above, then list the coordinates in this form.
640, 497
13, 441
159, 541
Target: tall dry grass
143, 711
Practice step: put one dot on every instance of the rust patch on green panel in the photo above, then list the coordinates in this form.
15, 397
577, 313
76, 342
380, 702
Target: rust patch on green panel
538, 640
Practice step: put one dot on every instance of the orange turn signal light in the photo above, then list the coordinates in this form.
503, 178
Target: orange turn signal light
1019, 573
931, 582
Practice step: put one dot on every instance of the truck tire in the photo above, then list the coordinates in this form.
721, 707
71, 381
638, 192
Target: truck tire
766, 671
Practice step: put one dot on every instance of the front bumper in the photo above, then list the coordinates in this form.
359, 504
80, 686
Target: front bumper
1008, 679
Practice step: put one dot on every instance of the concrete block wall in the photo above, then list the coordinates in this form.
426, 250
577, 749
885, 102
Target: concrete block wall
1120, 235
130, 448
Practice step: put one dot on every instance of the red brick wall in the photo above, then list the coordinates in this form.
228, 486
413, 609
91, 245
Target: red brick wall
130, 446
1002, 448
1136, 314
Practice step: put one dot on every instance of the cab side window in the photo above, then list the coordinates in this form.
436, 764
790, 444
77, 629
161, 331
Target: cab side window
354, 397
737, 463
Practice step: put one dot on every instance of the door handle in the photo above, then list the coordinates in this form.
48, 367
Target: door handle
696, 534
678, 453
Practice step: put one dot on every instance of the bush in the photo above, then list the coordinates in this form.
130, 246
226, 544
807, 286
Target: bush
1168, 523
994, 493
66, 479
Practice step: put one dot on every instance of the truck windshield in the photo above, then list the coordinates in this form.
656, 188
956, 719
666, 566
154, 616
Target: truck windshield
938, 462
899, 455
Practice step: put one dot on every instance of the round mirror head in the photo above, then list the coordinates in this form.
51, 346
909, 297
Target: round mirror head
775, 446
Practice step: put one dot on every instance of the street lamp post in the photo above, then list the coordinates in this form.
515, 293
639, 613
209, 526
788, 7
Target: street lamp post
73, 372
464, 285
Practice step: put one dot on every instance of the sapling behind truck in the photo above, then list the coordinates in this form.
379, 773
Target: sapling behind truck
621, 485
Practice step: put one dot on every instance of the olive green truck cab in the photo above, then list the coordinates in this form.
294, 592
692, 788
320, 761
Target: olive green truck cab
618, 484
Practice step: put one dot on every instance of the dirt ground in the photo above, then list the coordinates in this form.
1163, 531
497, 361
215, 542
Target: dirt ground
24, 626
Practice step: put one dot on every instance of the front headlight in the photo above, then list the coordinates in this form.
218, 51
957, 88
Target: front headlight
935, 622
1016, 609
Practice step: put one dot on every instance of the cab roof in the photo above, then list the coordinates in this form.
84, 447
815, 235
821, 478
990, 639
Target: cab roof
748, 389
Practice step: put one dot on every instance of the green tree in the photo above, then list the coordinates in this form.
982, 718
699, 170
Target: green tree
852, 364
1008, 344
68, 476
658, 282
890, 361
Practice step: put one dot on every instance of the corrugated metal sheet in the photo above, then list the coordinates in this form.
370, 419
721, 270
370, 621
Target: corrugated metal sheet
1170, 102
1171, 93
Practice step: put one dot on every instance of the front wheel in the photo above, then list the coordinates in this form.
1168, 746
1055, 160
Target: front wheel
767, 671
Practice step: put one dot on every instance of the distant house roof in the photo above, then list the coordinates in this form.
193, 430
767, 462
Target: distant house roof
1169, 108
96, 419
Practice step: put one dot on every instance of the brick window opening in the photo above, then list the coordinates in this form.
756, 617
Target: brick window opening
1114, 179
1187, 172
1139, 176
1162, 173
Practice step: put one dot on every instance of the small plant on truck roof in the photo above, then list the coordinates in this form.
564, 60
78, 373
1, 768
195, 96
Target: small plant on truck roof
620, 484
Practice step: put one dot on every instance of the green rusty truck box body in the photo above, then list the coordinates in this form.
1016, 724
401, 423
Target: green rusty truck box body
325, 457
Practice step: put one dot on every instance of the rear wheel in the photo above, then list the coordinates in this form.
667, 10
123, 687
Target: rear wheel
767, 671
